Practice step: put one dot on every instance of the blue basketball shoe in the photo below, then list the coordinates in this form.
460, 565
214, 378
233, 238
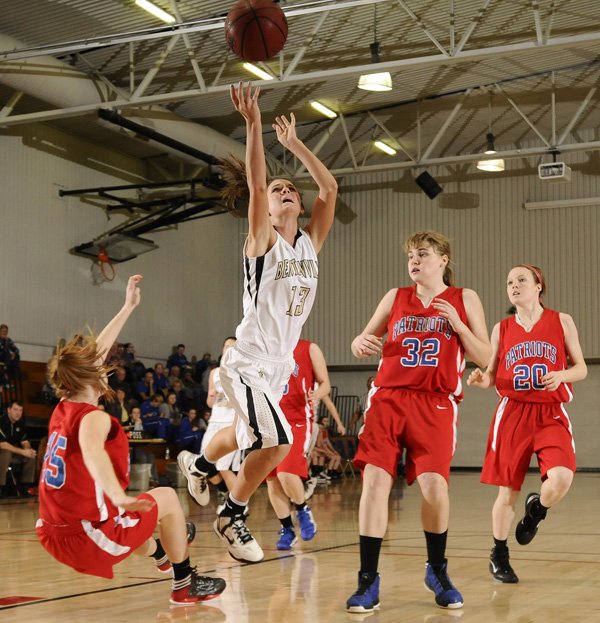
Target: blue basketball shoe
438, 582
308, 527
287, 537
366, 597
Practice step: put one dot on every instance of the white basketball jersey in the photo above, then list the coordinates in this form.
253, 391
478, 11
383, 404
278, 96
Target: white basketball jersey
279, 292
221, 412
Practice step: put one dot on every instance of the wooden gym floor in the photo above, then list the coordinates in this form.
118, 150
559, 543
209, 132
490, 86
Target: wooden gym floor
559, 571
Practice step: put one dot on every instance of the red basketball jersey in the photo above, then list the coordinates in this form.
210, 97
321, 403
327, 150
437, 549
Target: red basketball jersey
422, 352
525, 357
67, 492
294, 402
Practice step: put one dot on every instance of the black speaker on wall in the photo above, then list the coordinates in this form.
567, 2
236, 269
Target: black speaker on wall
428, 185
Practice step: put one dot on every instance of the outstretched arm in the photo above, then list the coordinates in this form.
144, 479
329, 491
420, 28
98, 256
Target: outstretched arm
111, 331
261, 235
323, 209
369, 342
93, 433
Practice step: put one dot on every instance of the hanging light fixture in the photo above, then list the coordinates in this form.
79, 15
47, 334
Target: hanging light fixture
155, 10
381, 81
257, 71
323, 109
384, 147
496, 164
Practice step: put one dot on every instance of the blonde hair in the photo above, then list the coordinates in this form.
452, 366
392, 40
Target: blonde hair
439, 243
78, 364
236, 193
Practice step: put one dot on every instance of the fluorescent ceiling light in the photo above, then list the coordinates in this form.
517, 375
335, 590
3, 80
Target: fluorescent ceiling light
390, 151
376, 82
257, 71
156, 11
491, 165
323, 109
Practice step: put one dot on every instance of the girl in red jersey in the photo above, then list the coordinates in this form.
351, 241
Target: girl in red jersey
87, 520
529, 369
412, 405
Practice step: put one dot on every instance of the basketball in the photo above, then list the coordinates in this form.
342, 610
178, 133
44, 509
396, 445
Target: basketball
256, 30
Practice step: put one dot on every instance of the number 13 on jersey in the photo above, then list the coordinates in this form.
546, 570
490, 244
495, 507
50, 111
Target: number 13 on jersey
299, 296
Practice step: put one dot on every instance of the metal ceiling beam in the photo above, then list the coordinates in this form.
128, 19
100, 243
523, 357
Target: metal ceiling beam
331, 74
449, 119
190, 49
575, 118
211, 23
474, 23
379, 124
419, 22
523, 115
506, 155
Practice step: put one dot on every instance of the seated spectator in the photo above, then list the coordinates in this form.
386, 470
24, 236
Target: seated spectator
201, 366
128, 354
191, 431
9, 353
161, 379
357, 416
139, 455
14, 447
153, 424
174, 375
183, 396
324, 452
118, 380
170, 413
178, 358
146, 388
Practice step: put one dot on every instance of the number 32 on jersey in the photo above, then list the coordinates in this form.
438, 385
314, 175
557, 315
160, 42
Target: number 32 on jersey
420, 352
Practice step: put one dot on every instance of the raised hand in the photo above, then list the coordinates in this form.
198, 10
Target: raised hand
246, 101
286, 130
132, 292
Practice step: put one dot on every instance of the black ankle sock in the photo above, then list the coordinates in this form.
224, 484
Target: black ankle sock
181, 570
300, 507
160, 552
370, 546
436, 548
222, 487
538, 510
286, 522
500, 546
203, 465
231, 509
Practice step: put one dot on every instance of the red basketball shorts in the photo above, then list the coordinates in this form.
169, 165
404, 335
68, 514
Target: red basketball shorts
423, 423
521, 429
296, 462
95, 548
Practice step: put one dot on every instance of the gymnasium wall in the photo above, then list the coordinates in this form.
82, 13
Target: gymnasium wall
47, 293
193, 282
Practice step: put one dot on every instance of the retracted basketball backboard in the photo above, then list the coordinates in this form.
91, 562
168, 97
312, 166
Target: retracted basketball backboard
115, 247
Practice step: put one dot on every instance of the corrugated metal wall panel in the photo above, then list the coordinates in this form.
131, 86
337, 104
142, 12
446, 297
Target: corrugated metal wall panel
362, 260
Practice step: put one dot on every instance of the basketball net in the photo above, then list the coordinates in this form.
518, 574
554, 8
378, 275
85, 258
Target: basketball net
102, 268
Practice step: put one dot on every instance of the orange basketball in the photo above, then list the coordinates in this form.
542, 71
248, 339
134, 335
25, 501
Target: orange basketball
256, 30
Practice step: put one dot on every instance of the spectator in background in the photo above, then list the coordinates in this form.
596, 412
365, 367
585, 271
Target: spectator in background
183, 397
128, 354
178, 358
153, 424
193, 389
354, 425
324, 452
146, 387
161, 380
138, 455
174, 375
191, 431
118, 380
14, 446
9, 353
201, 366
169, 412
204, 382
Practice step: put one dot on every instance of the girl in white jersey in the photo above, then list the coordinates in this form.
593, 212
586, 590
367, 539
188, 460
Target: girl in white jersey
280, 279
